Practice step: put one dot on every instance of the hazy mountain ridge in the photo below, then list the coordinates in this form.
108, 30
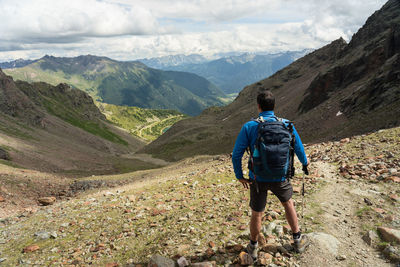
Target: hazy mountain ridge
18, 63
124, 83
232, 73
336, 91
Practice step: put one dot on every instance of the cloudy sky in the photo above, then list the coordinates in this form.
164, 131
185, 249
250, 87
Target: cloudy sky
132, 29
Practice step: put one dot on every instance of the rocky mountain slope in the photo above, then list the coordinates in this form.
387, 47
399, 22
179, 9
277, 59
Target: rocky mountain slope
337, 91
125, 83
232, 73
59, 129
195, 209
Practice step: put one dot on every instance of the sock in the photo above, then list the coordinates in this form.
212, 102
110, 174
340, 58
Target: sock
296, 235
253, 243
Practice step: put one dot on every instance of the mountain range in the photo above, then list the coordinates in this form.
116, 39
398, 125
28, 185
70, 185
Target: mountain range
339, 90
125, 83
230, 73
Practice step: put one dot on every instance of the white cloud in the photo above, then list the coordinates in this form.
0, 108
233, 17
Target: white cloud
130, 29
72, 20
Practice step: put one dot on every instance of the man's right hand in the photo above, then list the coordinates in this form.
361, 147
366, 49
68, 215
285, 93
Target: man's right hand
305, 169
245, 182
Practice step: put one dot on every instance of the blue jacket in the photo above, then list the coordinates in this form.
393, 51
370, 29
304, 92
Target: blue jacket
247, 138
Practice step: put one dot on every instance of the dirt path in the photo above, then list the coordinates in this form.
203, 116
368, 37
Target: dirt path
334, 208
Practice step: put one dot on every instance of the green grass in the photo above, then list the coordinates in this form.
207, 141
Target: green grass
135, 119
362, 211
10, 163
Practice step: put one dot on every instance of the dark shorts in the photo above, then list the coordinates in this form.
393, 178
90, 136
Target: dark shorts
258, 200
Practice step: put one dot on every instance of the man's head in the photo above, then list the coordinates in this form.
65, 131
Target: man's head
265, 100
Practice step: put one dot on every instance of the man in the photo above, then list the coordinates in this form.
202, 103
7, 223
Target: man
259, 187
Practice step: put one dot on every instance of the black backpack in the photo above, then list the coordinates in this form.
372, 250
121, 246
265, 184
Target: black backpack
273, 154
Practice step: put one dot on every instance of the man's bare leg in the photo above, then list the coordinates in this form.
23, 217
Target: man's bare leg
255, 225
291, 215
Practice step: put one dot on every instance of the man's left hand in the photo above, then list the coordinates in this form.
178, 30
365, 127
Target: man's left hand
245, 182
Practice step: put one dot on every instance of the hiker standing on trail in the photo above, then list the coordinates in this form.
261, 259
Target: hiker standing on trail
271, 141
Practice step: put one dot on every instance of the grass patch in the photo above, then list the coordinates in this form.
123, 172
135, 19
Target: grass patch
362, 211
10, 163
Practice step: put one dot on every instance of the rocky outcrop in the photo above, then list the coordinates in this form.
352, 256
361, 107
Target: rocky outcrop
15, 103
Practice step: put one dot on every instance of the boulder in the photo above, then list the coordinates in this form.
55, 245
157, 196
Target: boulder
325, 242
389, 235
160, 261
45, 201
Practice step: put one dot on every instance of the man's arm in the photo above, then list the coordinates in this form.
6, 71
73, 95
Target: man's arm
299, 149
242, 142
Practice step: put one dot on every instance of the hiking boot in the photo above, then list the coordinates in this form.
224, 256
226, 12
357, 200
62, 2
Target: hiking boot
301, 243
252, 250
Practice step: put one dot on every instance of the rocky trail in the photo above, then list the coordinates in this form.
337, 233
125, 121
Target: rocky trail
195, 212
335, 207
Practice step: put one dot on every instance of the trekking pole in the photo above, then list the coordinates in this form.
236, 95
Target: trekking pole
305, 171
302, 199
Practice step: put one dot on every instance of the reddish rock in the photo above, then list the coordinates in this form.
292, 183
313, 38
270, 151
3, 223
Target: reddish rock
2, 199
242, 227
379, 210
393, 179
238, 248
112, 264
211, 244
210, 252
394, 197
245, 259
389, 235
264, 258
31, 248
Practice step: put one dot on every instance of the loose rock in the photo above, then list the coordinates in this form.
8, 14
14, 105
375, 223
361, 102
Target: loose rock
245, 259
204, 264
31, 248
370, 237
45, 201
160, 261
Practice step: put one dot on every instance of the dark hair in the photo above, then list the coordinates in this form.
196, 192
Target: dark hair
266, 100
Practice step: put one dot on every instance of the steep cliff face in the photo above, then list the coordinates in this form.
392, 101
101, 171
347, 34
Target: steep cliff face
339, 90
15, 103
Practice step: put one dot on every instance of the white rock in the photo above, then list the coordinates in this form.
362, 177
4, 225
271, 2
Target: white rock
325, 242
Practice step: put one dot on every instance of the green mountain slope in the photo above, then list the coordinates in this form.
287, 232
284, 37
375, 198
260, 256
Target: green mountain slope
147, 124
60, 129
124, 83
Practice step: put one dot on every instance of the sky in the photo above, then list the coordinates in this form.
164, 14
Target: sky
133, 29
